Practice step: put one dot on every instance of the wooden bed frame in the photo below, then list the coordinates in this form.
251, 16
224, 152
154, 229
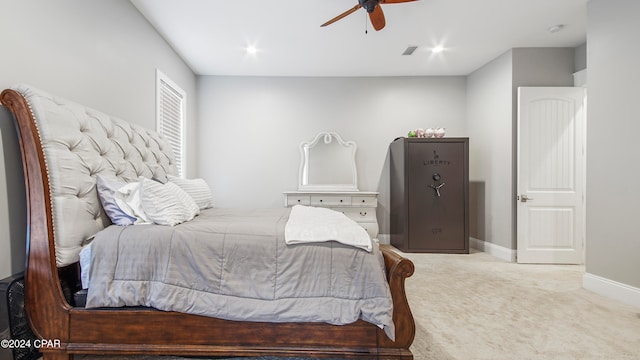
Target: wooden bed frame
131, 331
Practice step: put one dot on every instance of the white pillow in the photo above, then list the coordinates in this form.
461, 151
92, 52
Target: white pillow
167, 204
128, 199
107, 187
196, 188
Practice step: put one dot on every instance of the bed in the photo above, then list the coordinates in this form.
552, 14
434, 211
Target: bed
65, 146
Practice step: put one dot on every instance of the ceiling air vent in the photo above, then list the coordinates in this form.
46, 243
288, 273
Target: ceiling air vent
409, 50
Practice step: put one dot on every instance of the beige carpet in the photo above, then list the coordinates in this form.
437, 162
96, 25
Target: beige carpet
476, 307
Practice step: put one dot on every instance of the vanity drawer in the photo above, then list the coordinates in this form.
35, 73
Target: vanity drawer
298, 200
330, 200
359, 214
364, 201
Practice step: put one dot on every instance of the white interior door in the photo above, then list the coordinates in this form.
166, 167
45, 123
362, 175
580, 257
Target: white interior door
551, 171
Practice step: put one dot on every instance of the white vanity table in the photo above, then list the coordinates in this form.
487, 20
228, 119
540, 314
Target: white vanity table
329, 178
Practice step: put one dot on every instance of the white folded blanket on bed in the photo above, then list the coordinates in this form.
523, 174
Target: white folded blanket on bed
308, 224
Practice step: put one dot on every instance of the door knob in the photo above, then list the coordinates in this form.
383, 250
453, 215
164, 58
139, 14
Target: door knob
525, 198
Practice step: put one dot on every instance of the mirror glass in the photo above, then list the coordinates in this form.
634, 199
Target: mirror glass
328, 164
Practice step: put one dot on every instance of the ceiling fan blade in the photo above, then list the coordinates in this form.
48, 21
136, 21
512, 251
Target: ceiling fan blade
344, 14
395, 1
377, 18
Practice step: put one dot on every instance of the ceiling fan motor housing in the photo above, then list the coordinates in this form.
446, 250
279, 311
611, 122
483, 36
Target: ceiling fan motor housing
369, 5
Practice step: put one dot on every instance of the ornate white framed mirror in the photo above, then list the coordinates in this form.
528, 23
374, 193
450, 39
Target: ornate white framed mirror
328, 163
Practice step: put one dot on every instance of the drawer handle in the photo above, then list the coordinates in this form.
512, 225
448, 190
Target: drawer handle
320, 200
299, 200
340, 200
363, 213
364, 201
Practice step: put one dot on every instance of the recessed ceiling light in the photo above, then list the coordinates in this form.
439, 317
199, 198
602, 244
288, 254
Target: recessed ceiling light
556, 28
437, 49
251, 50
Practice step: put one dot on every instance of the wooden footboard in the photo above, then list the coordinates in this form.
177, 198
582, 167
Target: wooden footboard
74, 330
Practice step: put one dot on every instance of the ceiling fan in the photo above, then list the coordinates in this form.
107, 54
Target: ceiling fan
373, 8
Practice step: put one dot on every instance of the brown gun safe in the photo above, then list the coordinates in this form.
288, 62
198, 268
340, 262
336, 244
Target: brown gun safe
430, 194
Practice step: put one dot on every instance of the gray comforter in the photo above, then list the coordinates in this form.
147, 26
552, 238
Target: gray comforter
234, 264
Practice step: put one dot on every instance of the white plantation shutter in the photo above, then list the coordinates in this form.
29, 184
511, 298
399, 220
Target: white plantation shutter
171, 109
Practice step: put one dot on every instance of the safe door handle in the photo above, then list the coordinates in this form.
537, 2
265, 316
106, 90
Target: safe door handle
437, 188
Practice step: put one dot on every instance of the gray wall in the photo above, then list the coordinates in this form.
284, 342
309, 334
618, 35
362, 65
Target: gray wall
100, 53
492, 126
613, 200
543, 67
251, 127
580, 60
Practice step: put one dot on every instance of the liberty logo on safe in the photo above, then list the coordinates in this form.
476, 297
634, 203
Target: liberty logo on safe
436, 160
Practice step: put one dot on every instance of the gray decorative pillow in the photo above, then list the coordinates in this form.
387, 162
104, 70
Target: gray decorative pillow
196, 188
107, 187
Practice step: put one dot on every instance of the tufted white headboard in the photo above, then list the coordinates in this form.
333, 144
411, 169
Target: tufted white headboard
79, 142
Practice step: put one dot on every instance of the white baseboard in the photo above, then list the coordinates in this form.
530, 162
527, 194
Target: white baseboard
498, 251
612, 289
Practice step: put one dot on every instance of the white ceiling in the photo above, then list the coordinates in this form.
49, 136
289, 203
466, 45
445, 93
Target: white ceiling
211, 35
